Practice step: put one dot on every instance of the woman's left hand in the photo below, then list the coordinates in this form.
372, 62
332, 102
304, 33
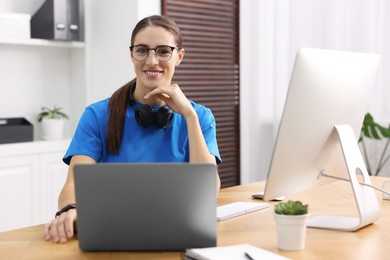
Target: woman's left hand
174, 98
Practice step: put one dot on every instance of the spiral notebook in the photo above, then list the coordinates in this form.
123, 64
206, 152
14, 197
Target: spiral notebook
234, 252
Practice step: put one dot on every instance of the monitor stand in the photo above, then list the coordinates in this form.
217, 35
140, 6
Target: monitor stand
365, 197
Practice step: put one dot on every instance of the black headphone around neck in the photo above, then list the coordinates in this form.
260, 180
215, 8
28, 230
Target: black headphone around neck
145, 116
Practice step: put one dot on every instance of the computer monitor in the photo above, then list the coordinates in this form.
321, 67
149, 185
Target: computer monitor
325, 106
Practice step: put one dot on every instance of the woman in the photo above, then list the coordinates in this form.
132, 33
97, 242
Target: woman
148, 119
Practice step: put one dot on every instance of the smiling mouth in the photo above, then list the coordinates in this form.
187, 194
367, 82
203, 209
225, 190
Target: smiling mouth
152, 73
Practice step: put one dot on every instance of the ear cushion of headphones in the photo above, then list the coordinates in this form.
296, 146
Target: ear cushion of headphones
163, 117
145, 116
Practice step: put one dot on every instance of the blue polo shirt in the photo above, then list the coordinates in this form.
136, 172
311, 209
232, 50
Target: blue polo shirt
139, 144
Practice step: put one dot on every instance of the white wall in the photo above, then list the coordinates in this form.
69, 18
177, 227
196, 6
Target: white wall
271, 32
25, 72
107, 40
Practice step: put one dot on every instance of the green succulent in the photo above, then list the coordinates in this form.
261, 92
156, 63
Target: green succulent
54, 112
291, 208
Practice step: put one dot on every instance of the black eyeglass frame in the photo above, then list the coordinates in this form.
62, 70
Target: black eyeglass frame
153, 49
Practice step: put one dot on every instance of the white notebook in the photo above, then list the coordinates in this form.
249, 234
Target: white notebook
235, 252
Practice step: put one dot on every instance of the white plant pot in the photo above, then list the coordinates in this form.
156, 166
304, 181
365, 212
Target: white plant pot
52, 128
291, 231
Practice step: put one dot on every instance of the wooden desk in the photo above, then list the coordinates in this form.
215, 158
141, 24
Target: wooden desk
371, 242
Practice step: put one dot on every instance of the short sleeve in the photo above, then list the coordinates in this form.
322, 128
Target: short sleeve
87, 139
208, 126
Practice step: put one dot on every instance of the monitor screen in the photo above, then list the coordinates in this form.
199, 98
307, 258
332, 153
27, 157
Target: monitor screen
327, 88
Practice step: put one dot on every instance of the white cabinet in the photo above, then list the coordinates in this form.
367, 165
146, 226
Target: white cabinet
53, 173
18, 192
31, 178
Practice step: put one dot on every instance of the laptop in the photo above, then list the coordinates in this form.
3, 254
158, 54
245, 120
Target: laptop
145, 207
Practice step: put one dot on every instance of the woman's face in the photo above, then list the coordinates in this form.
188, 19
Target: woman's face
152, 73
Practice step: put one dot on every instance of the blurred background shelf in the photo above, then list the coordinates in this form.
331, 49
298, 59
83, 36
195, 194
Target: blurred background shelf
42, 42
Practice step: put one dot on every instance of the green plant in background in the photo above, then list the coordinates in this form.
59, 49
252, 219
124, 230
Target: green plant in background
291, 208
373, 130
53, 113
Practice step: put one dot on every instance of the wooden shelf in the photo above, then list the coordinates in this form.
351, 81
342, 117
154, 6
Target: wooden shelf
43, 42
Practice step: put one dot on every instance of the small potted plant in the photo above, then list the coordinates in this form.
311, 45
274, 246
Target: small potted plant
290, 220
53, 122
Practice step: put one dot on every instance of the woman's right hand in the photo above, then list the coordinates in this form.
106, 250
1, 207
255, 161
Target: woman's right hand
62, 228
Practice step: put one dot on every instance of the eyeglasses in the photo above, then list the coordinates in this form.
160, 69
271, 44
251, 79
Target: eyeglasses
163, 52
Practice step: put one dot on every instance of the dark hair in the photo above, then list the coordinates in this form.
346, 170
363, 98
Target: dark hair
159, 21
120, 99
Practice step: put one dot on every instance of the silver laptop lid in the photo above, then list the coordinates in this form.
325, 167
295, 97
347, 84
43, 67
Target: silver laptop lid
145, 207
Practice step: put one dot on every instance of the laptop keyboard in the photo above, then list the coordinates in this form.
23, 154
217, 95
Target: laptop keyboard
236, 209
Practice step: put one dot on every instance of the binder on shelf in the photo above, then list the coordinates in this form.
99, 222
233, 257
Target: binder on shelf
56, 20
